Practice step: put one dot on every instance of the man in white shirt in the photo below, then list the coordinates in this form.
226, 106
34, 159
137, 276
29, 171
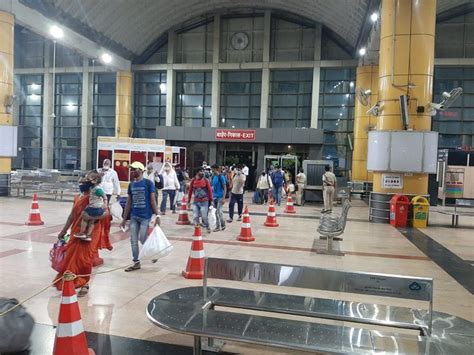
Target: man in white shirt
151, 174
170, 186
110, 182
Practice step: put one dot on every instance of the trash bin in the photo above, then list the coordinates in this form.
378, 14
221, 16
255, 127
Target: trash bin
421, 208
399, 210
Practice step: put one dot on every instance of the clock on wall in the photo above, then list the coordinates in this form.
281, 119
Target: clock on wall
240, 40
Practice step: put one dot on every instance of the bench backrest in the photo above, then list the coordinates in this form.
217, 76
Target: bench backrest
398, 286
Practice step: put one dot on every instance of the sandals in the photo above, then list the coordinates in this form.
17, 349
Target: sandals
83, 291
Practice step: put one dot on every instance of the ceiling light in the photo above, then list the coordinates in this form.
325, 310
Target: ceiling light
374, 17
163, 88
106, 58
347, 95
56, 32
289, 147
70, 106
362, 51
351, 84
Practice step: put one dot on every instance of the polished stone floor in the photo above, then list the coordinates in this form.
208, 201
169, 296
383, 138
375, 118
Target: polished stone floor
116, 303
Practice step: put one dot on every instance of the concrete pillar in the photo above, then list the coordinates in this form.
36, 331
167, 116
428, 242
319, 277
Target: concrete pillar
260, 158
170, 81
316, 76
212, 159
267, 29
367, 79
406, 67
216, 75
7, 22
86, 118
48, 121
123, 104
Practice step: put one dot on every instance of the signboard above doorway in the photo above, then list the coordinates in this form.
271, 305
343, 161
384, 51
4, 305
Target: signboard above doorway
235, 135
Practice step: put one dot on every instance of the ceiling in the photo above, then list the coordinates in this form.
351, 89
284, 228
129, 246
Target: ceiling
129, 27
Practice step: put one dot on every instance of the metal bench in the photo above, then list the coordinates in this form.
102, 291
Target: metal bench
332, 225
201, 312
459, 210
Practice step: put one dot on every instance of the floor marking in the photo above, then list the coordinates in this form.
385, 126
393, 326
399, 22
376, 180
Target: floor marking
4, 254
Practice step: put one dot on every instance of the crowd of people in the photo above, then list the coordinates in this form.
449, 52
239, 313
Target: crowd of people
207, 186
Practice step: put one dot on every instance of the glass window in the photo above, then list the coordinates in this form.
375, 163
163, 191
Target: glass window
195, 45
103, 110
67, 123
193, 106
240, 99
150, 103
30, 123
455, 122
291, 41
290, 98
336, 115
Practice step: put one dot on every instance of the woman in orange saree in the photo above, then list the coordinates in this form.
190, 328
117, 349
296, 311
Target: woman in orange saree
79, 255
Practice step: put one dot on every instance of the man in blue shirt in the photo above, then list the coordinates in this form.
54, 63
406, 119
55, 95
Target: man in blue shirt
141, 203
278, 182
218, 184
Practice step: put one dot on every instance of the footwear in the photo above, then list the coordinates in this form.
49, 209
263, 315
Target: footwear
239, 218
216, 230
229, 220
81, 236
174, 211
83, 291
223, 228
208, 230
134, 267
154, 260
162, 213
87, 239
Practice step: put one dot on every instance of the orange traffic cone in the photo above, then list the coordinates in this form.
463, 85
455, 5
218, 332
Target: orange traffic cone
271, 216
289, 206
183, 213
246, 231
195, 267
34, 219
70, 336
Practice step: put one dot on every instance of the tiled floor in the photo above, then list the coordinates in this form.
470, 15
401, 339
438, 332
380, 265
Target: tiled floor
116, 302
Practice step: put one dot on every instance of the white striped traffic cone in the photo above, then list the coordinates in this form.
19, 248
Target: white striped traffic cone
195, 266
289, 206
246, 230
271, 216
183, 213
70, 336
34, 219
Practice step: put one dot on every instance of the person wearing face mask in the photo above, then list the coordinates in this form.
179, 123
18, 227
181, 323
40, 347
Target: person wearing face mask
202, 191
263, 185
237, 194
141, 204
79, 258
110, 182
300, 185
170, 187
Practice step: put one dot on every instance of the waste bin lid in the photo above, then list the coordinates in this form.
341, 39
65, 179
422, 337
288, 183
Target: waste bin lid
420, 200
399, 198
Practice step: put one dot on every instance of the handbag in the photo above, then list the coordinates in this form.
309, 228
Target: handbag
57, 254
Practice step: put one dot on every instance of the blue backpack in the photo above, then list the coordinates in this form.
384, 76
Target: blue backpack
277, 178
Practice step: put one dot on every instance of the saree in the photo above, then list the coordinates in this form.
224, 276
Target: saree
79, 255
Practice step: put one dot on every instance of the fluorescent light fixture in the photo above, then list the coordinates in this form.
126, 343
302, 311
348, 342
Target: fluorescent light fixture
106, 58
374, 17
362, 51
56, 32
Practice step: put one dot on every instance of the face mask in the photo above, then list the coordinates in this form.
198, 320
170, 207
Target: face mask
167, 169
135, 174
106, 168
85, 186
200, 175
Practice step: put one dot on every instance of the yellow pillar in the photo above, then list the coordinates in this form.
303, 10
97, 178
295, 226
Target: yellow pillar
406, 67
367, 79
6, 76
123, 104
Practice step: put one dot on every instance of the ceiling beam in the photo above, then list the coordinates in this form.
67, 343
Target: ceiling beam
366, 27
455, 12
38, 23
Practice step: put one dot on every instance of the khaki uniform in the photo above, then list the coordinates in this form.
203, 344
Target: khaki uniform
300, 183
329, 184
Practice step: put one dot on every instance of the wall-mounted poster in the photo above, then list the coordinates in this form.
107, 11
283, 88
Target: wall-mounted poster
121, 163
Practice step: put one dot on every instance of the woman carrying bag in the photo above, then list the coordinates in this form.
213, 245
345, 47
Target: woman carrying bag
264, 184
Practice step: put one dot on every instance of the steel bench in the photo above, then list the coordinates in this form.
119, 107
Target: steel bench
331, 226
201, 311
459, 210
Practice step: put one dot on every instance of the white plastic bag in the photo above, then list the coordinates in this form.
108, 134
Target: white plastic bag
211, 218
156, 245
116, 211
